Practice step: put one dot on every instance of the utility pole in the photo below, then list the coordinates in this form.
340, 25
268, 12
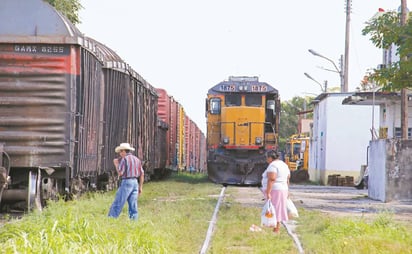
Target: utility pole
346, 59
404, 91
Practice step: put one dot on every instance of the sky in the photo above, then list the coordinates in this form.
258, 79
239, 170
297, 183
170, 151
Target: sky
188, 46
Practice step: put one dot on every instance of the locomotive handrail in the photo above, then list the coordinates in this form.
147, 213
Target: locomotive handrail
249, 124
271, 126
250, 130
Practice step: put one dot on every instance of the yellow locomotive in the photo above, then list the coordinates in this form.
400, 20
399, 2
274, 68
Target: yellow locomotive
242, 124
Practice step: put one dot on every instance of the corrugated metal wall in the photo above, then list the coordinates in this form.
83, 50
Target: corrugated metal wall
164, 113
88, 117
35, 84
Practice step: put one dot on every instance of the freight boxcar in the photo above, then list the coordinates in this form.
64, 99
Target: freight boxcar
195, 147
160, 169
164, 114
186, 143
66, 101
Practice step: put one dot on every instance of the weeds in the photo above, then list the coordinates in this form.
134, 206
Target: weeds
353, 235
174, 216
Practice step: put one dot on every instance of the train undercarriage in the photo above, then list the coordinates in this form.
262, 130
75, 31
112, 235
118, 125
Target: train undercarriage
22, 193
25, 189
238, 167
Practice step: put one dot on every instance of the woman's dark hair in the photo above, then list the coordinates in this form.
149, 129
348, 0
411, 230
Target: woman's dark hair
273, 154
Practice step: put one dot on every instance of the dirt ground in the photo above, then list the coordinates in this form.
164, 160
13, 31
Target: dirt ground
334, 200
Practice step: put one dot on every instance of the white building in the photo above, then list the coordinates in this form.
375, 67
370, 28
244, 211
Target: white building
340, 137
389, 109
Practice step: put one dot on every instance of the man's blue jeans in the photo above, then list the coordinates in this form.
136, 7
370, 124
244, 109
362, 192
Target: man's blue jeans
128, 191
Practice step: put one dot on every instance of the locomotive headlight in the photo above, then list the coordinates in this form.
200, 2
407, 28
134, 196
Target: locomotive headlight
226, 140
258, 140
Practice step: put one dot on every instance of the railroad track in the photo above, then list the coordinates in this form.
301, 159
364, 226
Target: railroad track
212, 223
290, 228
241, 196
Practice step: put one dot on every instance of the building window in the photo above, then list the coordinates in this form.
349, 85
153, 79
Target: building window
398, 132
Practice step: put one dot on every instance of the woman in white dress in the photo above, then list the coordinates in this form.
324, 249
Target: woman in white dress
275, 186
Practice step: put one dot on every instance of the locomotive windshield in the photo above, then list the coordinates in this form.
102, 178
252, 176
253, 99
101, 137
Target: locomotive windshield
271, 104
233, 100
253, 100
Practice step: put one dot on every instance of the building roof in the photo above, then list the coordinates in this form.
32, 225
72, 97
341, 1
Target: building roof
323, 96
372, 98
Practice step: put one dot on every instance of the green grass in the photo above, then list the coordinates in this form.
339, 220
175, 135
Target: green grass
353, 235
174, 217
76, 227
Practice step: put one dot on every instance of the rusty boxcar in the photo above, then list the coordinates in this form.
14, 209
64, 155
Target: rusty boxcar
66, 101
186, 143
195, 147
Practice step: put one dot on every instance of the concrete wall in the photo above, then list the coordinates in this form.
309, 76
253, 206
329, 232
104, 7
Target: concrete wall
377, 172
390, 170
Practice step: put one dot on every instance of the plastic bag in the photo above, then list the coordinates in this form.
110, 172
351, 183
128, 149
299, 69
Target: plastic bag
292, 211
268, 216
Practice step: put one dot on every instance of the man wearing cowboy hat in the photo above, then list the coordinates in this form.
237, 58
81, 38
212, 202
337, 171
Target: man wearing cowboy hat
130, 170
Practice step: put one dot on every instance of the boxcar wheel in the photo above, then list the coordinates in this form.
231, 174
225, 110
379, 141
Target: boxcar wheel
34, 197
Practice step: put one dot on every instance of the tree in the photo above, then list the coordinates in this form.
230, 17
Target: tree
289, 117
69, 8
384, 32
392, 28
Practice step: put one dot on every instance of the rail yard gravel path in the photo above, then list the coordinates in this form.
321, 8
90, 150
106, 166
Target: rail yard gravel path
336, 200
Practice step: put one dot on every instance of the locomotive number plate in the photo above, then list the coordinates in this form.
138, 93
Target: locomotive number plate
228, 88
259, 88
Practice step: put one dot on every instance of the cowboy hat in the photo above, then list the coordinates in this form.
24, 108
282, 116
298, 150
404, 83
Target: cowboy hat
123, 146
